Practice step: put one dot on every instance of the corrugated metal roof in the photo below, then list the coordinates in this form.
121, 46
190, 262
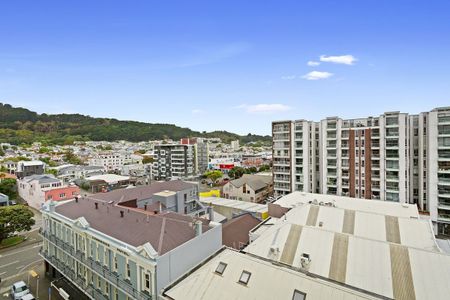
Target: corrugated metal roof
377, 266
373, 206
242, 205
406, 231
267, 281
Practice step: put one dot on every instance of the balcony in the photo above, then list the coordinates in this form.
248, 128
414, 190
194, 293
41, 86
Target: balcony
444, 120
70, 274
97, 267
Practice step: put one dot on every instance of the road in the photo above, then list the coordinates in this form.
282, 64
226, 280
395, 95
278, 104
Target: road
16, 261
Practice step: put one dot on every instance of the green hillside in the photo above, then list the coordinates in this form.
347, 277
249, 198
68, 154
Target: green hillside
19, 125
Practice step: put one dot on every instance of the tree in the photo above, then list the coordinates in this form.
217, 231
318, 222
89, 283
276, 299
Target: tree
147, 160
8, 187
236, 172
213, 175
71, 158
15, 218
54, 172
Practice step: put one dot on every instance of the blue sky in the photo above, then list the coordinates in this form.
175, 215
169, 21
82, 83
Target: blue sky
233, 65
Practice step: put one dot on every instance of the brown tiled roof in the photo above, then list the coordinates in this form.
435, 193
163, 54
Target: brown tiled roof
143, 192
235, 231
164, 231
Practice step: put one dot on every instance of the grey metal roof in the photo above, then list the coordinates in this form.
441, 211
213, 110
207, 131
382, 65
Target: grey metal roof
256, 182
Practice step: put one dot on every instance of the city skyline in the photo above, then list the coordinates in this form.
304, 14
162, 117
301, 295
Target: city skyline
246, 66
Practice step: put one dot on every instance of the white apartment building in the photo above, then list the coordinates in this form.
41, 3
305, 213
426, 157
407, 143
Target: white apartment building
393, 157
111, 160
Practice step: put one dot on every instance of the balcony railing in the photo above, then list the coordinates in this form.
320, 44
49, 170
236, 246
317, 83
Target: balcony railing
100, 269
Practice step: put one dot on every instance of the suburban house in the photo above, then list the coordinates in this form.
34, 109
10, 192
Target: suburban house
28, 168
249, 188
38, 189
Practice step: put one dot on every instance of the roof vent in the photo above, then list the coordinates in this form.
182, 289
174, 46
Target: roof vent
305, 260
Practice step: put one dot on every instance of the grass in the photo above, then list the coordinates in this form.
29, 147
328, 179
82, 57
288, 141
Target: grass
11, 241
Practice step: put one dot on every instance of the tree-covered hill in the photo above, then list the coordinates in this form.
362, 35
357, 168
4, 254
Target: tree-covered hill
19, 125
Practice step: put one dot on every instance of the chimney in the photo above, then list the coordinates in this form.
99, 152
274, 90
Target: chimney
211, 213
96, 205
198, 227
121, 213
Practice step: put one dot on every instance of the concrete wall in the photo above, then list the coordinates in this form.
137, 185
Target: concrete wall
175, 263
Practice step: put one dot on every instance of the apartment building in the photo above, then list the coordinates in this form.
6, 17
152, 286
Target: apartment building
113, 161
174, 161
110, 251
392, 157
201, 152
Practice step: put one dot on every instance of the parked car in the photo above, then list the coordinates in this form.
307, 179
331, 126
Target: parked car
18, 290
28, 297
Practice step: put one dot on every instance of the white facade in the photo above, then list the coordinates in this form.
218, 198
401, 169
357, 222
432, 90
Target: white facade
393, 157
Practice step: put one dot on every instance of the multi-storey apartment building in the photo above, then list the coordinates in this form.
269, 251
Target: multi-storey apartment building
110, 251
109, 160
201, 152
392, 157
174, 161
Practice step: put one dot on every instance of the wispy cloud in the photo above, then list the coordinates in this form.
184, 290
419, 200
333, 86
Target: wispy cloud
312, 63
317, 75
342, 59
197, 111
264, 108
288, 77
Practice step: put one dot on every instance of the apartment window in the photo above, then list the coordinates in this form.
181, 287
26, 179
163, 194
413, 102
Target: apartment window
128, 270
115, 263
62, 195
298, 295
221, 268
147, 281
245, 277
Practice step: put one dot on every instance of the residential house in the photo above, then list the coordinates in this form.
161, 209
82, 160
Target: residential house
36, 190
249, 188
28, 168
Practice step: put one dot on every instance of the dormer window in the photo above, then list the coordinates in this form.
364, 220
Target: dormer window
245, 277
221, 268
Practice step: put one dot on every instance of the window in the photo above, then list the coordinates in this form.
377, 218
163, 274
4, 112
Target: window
245, 277
128, 270
147, 281
298, 295
115, 263
221, 268
62, 195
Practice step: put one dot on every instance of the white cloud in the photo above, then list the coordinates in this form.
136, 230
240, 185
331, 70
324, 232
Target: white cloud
342, 59
288, 77
197, 111
312, 63
264, 108
316, 75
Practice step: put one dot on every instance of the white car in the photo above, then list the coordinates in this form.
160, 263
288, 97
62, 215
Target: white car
18, 290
